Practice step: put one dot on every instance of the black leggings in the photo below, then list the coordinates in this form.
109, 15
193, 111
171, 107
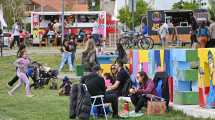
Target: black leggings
139, 101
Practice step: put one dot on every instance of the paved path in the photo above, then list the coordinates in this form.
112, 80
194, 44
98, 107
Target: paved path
195, 111
45, 50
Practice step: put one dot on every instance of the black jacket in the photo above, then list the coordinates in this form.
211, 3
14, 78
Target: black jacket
95, 84
80, 102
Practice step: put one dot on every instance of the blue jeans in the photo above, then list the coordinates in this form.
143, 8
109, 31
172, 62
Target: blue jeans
96, 38
66, 56
73, 58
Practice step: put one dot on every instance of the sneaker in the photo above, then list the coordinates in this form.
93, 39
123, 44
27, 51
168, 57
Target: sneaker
135, 114
9, 93
29, 95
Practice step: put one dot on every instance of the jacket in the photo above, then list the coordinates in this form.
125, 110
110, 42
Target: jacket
80, 102
147, 88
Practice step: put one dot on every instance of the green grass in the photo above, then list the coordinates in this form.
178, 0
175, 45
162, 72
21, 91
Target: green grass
46, 105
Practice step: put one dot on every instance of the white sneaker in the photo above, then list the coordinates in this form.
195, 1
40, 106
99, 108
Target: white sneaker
9, 93
29, 95
135, 114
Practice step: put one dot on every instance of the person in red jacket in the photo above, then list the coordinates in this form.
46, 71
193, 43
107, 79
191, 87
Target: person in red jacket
139, 96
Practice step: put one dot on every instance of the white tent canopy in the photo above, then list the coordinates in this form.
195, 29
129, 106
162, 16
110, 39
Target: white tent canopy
2, 21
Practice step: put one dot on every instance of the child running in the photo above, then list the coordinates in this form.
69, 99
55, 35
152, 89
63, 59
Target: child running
22, 66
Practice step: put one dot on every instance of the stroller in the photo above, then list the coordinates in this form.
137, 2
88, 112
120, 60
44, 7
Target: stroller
41, 75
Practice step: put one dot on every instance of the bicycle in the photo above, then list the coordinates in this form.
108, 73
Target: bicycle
136, 39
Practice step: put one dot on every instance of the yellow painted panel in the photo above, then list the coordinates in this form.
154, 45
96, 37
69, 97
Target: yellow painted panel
143, 55
204, 80
106, 67
162, 57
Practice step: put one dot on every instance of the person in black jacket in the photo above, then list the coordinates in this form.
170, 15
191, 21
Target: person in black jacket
96, 86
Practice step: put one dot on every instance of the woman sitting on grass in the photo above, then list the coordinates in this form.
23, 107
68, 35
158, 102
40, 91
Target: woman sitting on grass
22, 67
139, 96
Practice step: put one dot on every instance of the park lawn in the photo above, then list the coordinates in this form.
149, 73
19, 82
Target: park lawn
46, 105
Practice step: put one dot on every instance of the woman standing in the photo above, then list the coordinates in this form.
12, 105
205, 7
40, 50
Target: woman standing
22, 67
66, 56
139, 98
89, 56
122, 56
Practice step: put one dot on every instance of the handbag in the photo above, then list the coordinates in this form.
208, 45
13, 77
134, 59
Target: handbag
156, 106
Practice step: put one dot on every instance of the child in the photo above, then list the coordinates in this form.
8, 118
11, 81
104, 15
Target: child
108, 79
22, 67
65, 87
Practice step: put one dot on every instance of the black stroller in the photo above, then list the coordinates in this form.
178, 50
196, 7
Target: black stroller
41, 75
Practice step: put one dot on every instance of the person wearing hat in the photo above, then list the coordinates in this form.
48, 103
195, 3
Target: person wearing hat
96, 86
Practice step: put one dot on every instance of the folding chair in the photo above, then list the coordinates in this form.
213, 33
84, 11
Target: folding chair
101, 97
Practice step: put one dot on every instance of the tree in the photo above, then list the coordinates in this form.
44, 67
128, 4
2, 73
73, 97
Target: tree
125, 16
96, 7
185, 5
211, 9
13, 10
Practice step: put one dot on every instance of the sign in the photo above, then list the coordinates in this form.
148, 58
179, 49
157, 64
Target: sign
102, 24
36, 20
155, 19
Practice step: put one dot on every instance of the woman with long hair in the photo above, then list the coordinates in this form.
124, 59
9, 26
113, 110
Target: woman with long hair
122, 56
138, 97
22, 67
89, 55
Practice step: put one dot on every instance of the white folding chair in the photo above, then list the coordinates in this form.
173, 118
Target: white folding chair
101, 97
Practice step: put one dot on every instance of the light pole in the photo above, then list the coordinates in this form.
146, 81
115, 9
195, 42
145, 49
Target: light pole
62, 22
133, 29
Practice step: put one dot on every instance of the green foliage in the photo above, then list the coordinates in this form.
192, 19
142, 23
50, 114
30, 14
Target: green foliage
185, 6
125, 16
211, 9
97, 6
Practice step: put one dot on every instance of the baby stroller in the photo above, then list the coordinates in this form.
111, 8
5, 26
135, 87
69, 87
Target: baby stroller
41, 75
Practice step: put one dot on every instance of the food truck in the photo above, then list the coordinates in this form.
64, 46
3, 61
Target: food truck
176, 19
74, 22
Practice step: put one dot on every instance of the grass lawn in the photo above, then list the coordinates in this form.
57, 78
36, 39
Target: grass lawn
46, 105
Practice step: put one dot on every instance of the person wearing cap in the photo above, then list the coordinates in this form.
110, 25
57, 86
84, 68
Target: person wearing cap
96, 86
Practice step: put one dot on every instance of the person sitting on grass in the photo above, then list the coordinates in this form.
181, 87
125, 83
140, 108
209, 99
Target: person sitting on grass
65, 87
22, 67
139, 96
